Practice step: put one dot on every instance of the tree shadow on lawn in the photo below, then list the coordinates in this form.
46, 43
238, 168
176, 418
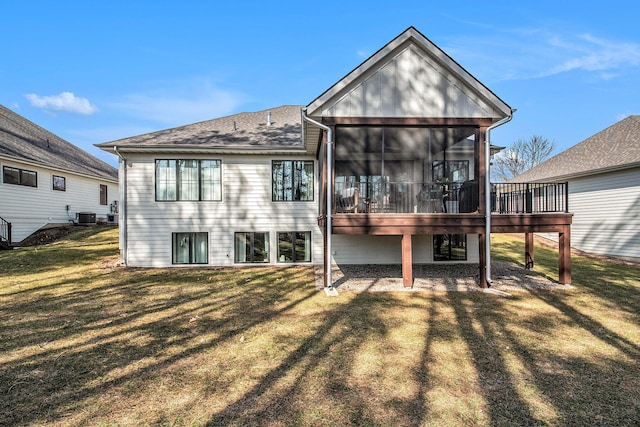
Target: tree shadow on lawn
359, 359
64, 349
517, 382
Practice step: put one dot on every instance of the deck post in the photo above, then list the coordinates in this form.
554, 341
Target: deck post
529, 255
407, 261
482, 262
564, 255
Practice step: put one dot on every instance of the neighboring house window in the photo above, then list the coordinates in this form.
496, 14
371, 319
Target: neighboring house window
251, 247
59, 183
292, 180
19, 176
294, 246
190, 248
103, 194
450, 247
188, 180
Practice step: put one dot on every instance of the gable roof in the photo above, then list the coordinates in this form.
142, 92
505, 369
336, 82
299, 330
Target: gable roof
238, 132
616, 147
409, 77
23, 140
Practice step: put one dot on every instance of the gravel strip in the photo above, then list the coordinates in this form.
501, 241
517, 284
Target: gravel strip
434, 277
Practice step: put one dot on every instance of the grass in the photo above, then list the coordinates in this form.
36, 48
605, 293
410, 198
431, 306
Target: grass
86, 343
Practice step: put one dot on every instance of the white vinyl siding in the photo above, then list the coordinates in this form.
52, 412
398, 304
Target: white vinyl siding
606, 213
31, 208
246, 206
388, 249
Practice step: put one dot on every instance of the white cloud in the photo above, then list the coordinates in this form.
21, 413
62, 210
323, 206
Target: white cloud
65, 101
594, 54
514, 54
180, 104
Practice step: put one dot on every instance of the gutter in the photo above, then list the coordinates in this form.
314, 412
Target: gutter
487, 194
328, 284
123, 206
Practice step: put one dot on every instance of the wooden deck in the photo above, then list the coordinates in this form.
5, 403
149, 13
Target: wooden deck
407, 225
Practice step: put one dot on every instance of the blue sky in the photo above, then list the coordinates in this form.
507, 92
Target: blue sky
93, 72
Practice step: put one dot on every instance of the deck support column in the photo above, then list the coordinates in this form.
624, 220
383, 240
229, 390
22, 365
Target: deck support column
529, 255
564, 255
407, 261
482, 261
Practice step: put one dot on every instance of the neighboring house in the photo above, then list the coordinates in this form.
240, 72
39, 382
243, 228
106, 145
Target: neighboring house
400, 144
603, 173
47, 181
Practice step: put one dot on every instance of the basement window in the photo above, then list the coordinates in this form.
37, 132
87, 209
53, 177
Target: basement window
294, 246
251, 247
190, 248
450, 247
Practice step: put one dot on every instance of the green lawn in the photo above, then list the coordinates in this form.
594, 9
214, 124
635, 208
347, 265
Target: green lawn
85, 343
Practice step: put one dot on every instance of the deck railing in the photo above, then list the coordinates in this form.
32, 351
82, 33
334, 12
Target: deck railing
5, 231
512, 198
447, 197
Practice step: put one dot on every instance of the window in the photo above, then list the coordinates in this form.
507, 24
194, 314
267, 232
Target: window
292, 180
294, 246
19, 176
451, 171
251, 247
190, 248
103, 194
194, 180
59, 183
450, 247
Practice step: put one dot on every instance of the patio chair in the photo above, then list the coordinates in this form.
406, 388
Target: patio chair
347, 200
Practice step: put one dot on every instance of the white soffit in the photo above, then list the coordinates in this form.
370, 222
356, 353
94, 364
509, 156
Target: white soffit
409, 77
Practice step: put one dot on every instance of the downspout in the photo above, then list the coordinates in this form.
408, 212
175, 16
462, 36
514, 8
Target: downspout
328, 223
123, 205
487, 194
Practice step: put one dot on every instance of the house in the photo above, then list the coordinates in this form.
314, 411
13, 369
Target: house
603, 173
388, 165
47, 181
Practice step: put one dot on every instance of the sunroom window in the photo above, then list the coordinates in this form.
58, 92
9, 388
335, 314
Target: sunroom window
405, 169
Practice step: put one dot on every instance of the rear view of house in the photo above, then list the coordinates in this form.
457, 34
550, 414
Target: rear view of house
387, 166
48, 181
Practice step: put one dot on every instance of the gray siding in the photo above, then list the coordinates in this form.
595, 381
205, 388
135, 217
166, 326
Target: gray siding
410, 84
31, 208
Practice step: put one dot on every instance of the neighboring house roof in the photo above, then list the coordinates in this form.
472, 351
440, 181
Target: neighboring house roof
275, 128
22, 140
617, 147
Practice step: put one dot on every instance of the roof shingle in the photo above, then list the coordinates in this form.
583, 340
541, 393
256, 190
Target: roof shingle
22, 139
616, 147
242, 130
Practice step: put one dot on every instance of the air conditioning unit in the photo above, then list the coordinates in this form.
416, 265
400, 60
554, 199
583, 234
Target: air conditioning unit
86, 218
112, 218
